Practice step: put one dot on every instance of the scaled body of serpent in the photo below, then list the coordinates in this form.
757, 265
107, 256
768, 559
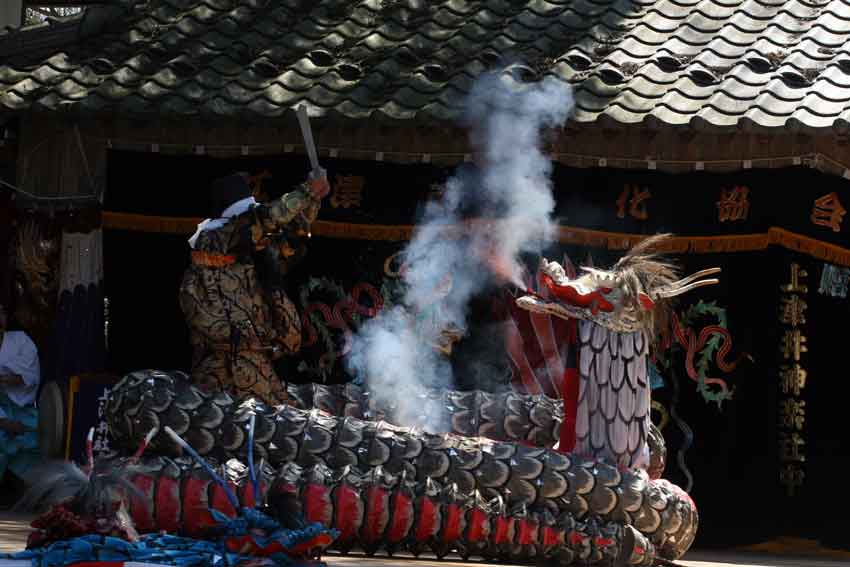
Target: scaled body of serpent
593, 511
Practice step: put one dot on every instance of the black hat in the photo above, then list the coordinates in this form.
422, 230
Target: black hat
228, 190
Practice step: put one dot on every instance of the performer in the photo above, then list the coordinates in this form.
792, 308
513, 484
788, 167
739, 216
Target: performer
232, 296
19, 378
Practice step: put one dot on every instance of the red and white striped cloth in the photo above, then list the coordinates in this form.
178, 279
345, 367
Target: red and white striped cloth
538, 345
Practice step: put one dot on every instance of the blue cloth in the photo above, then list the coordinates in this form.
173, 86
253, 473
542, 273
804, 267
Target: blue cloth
151, 548
173, 550
18, 453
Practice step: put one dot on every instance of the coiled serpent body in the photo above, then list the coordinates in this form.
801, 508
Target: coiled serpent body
373, 468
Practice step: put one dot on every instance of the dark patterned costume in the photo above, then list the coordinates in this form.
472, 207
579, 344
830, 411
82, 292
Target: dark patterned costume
238, 314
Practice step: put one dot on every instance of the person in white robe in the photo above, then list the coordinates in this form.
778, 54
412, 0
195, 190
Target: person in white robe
19, 378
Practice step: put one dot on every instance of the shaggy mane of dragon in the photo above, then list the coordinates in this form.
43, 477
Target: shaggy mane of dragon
491, 485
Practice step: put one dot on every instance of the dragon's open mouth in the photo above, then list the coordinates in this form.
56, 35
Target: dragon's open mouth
537, 304
601, 295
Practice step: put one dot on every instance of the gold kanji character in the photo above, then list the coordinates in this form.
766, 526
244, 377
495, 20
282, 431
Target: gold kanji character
792, 379
793, 344
792, 310
734, 204
637, 207
348, 191
792, 413
828, 212
791, 447
792, 477
796, 286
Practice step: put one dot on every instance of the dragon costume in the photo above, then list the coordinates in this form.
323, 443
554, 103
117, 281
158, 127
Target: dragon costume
491, 485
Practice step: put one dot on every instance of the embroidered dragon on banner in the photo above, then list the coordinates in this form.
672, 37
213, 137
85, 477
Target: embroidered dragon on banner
491, 484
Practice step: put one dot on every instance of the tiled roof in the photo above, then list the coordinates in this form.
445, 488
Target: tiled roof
702, 63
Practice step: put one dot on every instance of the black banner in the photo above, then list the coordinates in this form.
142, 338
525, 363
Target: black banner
87, 396
799, 199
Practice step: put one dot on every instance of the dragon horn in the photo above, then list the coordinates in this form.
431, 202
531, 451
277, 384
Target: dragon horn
90, 451
687, 288
251, 471
696, 276
144, 445
687, 284
200, 460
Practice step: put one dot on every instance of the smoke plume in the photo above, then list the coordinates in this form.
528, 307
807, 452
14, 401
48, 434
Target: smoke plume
509, 195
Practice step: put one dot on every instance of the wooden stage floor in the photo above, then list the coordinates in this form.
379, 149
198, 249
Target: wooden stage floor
14, 530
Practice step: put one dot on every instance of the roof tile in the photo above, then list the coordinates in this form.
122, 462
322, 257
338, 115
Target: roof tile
709, 117
669, 116
12, 100
704, 63
763, 119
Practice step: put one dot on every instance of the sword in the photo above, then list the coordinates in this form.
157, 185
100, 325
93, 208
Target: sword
317, 172
309, 144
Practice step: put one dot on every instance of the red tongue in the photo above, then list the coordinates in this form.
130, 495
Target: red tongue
568, 294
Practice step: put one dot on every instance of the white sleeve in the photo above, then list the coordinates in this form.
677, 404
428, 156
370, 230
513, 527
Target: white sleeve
30, 369
26, 365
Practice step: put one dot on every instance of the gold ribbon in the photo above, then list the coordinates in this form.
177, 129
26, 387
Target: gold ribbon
566, 234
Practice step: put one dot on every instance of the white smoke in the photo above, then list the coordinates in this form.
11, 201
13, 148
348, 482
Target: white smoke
394, 353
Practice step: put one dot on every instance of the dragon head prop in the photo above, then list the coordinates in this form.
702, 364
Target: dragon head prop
625, 298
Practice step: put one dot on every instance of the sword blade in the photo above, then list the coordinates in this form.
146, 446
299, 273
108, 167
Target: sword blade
307, 134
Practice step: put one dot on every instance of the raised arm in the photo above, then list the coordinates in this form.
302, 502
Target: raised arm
305, 200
